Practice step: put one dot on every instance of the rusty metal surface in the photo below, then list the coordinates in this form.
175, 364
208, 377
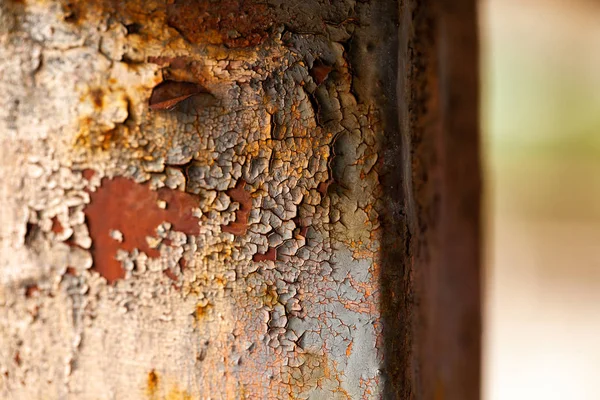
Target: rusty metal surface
200, 213
218, 200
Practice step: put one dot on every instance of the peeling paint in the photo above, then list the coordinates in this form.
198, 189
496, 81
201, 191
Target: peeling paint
243, 198
131, 208
200, 204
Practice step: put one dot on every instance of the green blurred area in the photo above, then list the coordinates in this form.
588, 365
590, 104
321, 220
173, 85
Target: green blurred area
541, 106
541, 135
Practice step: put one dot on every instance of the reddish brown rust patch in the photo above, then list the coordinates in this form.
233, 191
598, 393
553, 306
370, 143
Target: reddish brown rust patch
319, 72
235, 23
240, 195
323, 187
71, 271
131, 208
57, 226
171, 275
303, 231
88, 173
301, 227
270, 255
173, 62
30, 290
182, 263
166, 95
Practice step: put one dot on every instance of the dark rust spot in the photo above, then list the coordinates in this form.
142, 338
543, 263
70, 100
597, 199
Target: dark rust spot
71, 12
241, 196
320, 71
133, 28
235, 23
71, 271
301, 227
166, 95
131, 208
30, 290
303, 230
323, 187
97, 97
31, 232
270, 255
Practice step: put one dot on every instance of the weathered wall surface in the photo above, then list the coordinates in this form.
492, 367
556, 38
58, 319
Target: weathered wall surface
191, 198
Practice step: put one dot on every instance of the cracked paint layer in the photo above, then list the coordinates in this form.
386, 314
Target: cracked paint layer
198, 208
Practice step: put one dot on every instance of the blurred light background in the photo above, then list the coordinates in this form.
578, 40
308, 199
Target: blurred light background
541, 119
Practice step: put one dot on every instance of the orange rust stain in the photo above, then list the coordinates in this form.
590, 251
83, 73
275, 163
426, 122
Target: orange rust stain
349, 349
240, 195
235, 23
131, 208
152, 384
177, 394
93, 137
202, 310
71, 271
152, 389
57, 226
271, 255
269, 295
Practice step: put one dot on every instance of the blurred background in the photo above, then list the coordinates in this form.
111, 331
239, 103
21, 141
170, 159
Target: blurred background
541, 119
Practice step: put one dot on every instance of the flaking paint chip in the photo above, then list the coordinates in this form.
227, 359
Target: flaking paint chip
153, 242
116, 234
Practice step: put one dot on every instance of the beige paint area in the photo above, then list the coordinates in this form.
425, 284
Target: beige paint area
541, 86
